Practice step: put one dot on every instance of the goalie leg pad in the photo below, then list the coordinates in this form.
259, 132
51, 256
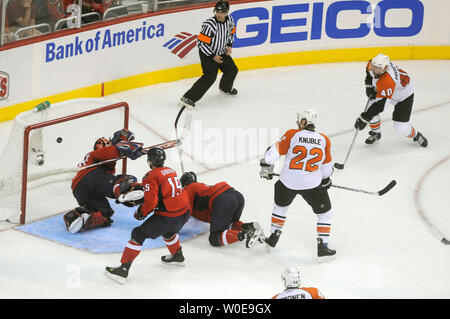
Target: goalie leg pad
76, 219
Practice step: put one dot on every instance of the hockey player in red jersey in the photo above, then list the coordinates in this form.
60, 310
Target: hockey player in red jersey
387, 84
292, 282
93, 186
165, 198
221, 206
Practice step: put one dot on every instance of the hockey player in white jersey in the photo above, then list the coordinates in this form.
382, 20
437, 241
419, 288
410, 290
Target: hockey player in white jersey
291, 279
306, 172
387, 84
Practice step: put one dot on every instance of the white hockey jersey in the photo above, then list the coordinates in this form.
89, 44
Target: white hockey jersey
394, 84
307, 161
300, 293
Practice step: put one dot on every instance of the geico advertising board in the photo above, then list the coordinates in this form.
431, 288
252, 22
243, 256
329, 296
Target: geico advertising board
167, 41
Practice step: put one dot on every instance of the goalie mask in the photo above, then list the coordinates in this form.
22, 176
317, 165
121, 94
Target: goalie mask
101, 142
307, 118
291, 277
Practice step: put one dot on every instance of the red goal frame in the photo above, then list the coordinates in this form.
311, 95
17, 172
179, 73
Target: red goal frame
29, 128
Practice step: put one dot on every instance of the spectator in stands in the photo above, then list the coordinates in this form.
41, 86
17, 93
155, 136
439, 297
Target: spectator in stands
21, 13
7, 36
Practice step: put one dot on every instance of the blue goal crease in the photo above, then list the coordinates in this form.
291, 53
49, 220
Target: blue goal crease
111, 239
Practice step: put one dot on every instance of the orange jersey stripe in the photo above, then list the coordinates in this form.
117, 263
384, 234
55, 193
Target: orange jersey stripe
314, 292
327, 149
285, 142
204, 38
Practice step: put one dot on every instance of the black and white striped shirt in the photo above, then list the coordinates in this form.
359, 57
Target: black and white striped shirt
215, 36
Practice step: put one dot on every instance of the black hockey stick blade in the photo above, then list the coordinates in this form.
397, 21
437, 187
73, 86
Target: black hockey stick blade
387, 188
339, 165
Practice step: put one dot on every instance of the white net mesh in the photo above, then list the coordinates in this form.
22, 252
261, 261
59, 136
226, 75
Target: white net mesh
54, 150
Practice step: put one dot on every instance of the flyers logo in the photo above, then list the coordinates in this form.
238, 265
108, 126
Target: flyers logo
4, 85
181, 44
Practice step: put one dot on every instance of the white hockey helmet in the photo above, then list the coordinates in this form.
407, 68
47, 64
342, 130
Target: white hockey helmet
379, 64
291, 277
309, 115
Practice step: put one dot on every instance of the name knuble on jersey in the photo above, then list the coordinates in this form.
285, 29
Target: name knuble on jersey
309, 140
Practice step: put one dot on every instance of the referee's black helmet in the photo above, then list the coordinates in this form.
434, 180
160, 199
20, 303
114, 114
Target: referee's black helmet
222, 6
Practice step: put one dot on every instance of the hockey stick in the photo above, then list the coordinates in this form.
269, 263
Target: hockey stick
379, 193
164, 145
341, 166
187, 123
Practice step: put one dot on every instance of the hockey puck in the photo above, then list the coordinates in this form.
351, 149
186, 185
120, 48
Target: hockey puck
59, 140
339, 166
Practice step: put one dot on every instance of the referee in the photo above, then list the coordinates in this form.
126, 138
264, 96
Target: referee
214, 43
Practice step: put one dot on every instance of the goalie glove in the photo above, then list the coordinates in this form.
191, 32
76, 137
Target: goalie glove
266, 169
128, 192
131, 150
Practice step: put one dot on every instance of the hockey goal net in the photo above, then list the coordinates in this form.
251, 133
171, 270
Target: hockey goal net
45, 147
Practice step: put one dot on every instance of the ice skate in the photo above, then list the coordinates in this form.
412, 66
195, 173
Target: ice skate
323, 252
177, 259
118, 274
272, 240
421, 140
233, 92
373, 137
186, 102
252, 232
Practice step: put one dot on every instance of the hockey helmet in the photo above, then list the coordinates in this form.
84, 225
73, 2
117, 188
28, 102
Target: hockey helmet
379, 64
188, 178
101, 142
222, 6
310, 116
156, 156
291, 277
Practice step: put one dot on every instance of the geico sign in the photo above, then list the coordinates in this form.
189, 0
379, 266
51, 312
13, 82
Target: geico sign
275, 27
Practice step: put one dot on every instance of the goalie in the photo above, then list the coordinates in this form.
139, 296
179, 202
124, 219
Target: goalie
93, 186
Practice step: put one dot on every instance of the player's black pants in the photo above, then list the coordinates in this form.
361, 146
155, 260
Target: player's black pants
157, 225
226, 209
93, 189
210, 70
316, 197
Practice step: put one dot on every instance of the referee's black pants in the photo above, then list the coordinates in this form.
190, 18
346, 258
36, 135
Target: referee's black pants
210, 70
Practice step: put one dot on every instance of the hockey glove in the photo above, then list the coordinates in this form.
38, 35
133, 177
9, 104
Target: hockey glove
138, 214
326, 183
266, 169
131, 150
371, 92
122, 135
362, 121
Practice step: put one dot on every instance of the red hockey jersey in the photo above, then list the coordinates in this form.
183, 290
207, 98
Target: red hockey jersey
163, 193
99, 155
201, 197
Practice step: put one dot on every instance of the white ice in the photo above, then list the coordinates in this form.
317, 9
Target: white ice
385, 247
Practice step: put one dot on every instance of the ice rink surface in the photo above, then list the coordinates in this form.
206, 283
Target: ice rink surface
385, 246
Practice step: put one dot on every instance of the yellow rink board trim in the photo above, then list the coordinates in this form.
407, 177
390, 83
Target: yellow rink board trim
248, 63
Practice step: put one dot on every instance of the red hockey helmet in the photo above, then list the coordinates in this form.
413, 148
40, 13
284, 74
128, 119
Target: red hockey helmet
101, 142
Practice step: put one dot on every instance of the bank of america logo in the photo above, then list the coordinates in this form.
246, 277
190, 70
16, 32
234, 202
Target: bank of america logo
181, 44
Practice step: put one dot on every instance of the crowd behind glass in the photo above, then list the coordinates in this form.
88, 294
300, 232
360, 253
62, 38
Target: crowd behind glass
21, 19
